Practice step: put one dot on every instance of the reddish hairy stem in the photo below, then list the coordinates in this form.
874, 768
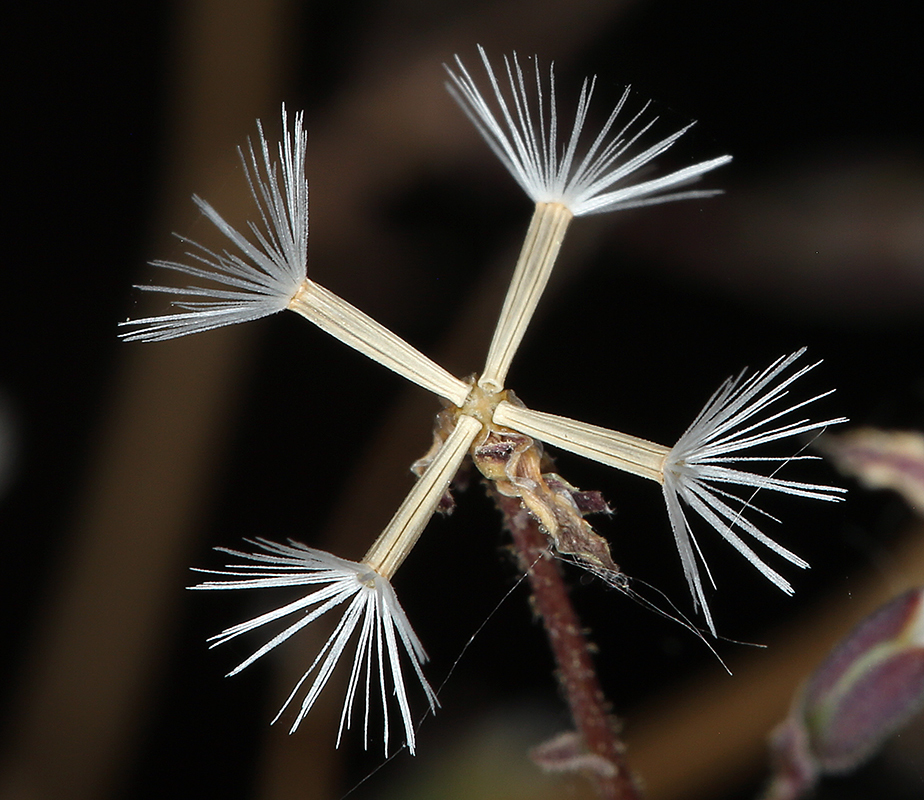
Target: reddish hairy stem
576, 674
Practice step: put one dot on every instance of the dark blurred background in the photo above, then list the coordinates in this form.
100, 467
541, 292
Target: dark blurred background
123, 465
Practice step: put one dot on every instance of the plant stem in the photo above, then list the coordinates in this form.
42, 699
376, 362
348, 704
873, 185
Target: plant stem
576, 674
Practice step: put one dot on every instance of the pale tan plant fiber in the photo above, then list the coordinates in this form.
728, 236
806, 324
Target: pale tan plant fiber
618, 450
347, 323
531, 274
399, 537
